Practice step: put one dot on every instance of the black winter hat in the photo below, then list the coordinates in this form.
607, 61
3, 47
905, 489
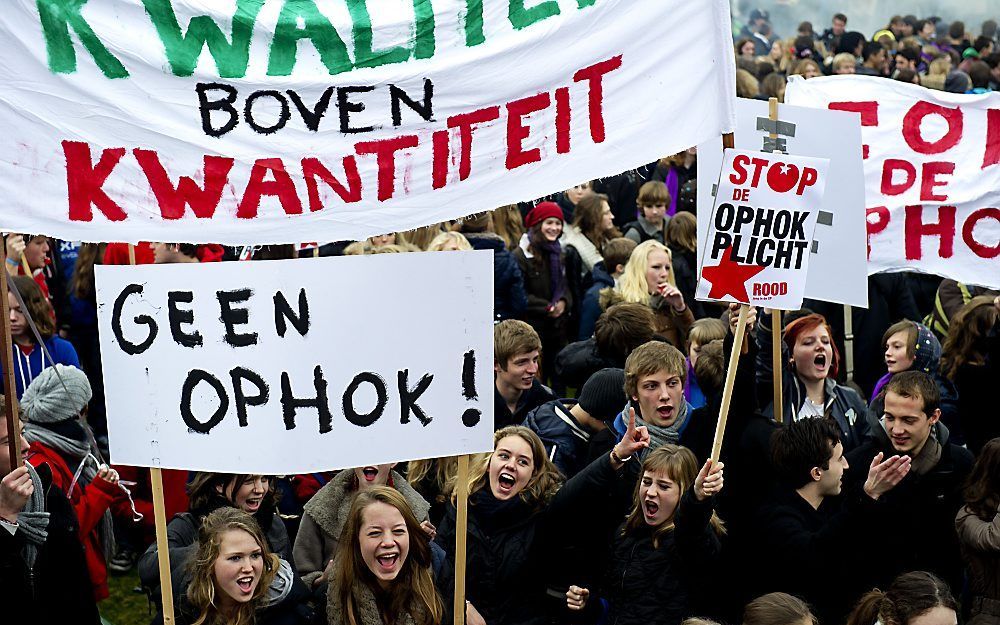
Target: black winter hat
603, 395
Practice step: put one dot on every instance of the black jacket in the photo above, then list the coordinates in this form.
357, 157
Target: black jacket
799, 550
576, 362
976, 386
590, 306
509, 299
502, 579
532, 398
665, 584
685, 264
58, 589
919, 513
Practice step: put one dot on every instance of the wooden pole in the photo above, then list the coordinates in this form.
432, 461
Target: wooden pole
160, 520
849, 342
727, 391
776, 366
7, 357
461, 532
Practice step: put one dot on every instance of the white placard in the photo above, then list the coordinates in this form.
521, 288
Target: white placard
932, 173
218, 366
838, 270
271, 121
760, 229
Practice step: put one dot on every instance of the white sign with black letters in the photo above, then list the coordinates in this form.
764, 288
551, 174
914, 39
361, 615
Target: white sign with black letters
295, 366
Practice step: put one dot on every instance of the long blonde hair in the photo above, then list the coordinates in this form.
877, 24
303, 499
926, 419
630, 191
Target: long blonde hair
444, 472
545, 479
679, 464
412, 591
632, 285
201, 591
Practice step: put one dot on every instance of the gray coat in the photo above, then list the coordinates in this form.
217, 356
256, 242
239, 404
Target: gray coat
324, 517
980, 541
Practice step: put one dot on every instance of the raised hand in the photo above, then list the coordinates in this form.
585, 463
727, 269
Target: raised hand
15, 247
576, 598
635, 438
15, 490
734, 317
107, 474
429, 529
884, 475
672, 295
709, 480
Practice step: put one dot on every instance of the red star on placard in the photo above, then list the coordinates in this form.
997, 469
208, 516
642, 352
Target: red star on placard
730, 277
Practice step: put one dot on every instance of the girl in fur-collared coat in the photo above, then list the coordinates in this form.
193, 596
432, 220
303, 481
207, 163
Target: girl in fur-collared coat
382, 575
326, 514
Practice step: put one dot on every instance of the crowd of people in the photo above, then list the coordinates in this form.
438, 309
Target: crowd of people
600, 502
941, 55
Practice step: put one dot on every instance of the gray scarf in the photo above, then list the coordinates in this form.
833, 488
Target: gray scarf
77, 450
660, 436
33, 521
368, 612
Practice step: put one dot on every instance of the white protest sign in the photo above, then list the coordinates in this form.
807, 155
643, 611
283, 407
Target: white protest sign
295, 366
279, 121
837, 267
761, 229
932, 173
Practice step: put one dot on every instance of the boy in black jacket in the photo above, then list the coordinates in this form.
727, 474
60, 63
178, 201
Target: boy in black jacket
919, 528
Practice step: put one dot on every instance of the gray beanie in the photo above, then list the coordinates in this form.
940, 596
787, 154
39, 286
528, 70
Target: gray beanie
49, 399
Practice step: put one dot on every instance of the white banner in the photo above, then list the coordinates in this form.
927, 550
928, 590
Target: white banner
837, 265
263, 121
932, 174
295, 366
761, 229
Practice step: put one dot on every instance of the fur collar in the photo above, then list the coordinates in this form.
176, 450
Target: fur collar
367, 608
329, 507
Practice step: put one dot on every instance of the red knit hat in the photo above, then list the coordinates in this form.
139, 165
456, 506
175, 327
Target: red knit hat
543, 211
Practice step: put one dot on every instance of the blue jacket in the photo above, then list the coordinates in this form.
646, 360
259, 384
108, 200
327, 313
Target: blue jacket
509, 298
566, 441
27, 368
590, 308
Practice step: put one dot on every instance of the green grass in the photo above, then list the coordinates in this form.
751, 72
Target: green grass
124, 606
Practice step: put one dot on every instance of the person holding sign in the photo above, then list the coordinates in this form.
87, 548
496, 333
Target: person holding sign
42, 562
649, 279
231, 573
809, 377
52, 407
509, 498
670, 544
383, 575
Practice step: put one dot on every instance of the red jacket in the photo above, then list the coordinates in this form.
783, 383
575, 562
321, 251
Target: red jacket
89, 503
117, 253
175, 497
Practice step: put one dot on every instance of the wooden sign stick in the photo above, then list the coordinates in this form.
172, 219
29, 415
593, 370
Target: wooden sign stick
160, 520
776, 367
7, 358
461, 535
727, 390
